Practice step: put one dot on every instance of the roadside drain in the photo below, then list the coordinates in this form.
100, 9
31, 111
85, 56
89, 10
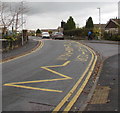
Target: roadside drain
100, 95
35, 106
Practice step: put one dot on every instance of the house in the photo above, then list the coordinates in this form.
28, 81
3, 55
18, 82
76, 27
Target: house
113, 26
59, 29
31, 32
48, 30
100, 25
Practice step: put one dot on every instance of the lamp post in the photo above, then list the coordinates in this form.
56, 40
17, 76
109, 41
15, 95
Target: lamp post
119, 10
22, 21
99, 22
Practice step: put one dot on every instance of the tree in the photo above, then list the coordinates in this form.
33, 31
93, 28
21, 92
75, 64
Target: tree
10, 15
20, 10
70, 24
50, 32
89, 23
6, 17
38, 31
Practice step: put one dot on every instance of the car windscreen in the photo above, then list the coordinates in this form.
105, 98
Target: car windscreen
58, 34
45, 33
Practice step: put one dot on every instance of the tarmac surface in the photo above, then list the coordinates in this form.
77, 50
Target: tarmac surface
105, 48
48, 79
108, 77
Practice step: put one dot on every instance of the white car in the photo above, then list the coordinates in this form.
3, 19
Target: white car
45, 35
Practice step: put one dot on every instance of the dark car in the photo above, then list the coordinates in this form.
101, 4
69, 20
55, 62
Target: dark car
58, 35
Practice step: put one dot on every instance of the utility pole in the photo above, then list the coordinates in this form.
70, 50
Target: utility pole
99, 21
1, 30
22, 21
119, 10
77, 25
119, 17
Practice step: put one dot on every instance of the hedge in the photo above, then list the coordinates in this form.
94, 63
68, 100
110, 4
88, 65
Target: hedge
112, 37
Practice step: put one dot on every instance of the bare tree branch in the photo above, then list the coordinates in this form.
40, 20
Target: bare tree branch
12, 15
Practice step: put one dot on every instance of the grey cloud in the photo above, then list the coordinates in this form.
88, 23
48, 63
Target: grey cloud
83, 8
50, 14
59, 7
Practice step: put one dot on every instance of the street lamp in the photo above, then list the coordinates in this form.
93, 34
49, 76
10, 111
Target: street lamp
22, 21
99, 21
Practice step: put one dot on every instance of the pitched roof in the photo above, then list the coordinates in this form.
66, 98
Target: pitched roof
113, 23
116, 21
102, 26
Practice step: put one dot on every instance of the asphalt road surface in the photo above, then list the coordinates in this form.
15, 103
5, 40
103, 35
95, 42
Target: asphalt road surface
49, 79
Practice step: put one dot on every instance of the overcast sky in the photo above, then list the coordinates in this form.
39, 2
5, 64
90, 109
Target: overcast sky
50, 14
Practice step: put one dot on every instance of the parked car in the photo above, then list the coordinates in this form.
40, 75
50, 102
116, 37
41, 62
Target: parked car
57, 35
45, 35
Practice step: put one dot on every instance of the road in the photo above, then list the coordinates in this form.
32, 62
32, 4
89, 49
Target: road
49, 79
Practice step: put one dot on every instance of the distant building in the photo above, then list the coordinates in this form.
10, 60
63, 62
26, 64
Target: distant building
31, 32
113, 26
48, 30
60, 29
98, 26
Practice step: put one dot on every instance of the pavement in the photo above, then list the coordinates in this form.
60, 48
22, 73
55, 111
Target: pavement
29, 46
105, 94
107, 99
100, 41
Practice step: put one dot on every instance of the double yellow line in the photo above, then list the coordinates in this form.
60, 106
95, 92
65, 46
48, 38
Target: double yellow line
88, 70
24, 54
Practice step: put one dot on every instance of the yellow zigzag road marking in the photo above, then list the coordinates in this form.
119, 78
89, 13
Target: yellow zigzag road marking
18, 84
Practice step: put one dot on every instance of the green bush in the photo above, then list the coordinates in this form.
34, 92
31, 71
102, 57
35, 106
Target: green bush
77, 34
11, 37
112, 37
